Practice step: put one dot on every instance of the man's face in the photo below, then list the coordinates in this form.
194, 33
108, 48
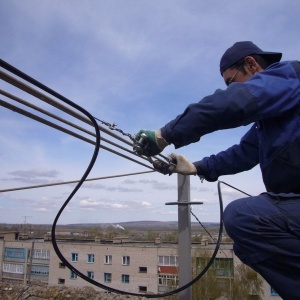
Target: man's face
249, 68
236, 75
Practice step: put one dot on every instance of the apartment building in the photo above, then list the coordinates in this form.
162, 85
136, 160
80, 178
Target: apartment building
136, 267
24, 260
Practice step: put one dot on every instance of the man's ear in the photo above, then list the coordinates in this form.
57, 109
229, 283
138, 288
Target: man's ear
251, 65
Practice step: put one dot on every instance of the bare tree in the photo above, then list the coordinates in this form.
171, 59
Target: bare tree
247, 284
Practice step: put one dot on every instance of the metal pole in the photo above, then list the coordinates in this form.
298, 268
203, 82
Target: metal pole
30, 261
184, 237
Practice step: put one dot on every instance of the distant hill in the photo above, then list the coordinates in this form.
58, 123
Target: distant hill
130, 225
146, 224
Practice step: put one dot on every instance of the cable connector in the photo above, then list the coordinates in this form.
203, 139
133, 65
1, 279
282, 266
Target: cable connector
140, 145
165, 167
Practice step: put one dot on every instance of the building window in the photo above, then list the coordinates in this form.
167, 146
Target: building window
61, 281
41, 254
168, 280
168, 260
108, 259
107, 277
14, 252
90, 258
126, 260
74, 257
40, 270
13, 268
125, 278
143, 289
90, 274
142, 269
223, 267
73, 275
61, 265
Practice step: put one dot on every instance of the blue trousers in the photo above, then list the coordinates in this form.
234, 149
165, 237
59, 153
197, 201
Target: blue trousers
266, 234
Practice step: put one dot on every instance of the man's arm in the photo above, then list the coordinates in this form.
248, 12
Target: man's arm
238, 158
240, 104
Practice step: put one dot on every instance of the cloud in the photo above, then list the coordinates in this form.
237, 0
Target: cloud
99, 186
30, 181
164, 212
204, 189
162, 186
98, 204
42, 209
146, 204
33, 173
129, 205
129, 181
33, 177
155, 184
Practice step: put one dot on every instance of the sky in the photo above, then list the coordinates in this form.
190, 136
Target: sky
134, 63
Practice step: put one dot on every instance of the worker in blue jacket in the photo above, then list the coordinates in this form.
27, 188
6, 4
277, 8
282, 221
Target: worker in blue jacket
266, 92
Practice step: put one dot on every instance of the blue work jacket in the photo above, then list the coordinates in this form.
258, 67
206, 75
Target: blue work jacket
271, 101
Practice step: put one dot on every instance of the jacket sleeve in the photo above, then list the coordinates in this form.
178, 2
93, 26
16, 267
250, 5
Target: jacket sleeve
222, 110
238, 158
268, 94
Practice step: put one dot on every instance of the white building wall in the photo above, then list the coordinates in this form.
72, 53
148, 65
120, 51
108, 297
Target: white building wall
141, 255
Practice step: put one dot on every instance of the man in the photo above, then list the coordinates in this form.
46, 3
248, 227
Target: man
266, 92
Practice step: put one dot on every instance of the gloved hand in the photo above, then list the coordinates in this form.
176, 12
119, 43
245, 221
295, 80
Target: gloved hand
183, 166
154, 143
179, 164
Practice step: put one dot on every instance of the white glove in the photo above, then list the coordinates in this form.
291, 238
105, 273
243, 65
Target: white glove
183, 166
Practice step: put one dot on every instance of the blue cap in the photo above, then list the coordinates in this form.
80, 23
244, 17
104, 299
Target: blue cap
242, 49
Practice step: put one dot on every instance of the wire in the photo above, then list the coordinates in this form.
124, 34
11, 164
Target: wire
93, 121
69, 182
62, 129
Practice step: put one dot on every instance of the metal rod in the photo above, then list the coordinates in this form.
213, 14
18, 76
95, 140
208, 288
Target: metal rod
25, 87
56, 104
48, 123
69, 182
184, 237
19, 100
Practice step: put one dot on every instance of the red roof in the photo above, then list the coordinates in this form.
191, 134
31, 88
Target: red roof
168, 270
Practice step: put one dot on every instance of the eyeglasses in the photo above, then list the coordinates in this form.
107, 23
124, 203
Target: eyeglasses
231, 80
